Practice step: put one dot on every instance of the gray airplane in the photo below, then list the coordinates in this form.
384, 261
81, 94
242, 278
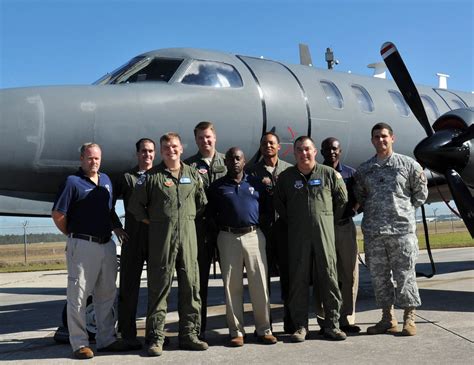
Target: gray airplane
173, 89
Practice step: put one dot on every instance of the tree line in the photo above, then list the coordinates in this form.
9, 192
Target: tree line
31, 238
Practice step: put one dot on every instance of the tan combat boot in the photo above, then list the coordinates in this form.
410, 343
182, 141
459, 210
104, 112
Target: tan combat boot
388, 323
409, 326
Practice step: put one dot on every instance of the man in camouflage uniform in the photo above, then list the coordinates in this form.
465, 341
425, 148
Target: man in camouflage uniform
390, 187
268, 169
134, 244
210, 165
168, 199
310, 197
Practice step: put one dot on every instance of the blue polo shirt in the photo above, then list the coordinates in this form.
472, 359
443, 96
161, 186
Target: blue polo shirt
86, 205
347, 174
235, 204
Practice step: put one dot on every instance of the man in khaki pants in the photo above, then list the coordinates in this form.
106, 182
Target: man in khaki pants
234, 204
82, 212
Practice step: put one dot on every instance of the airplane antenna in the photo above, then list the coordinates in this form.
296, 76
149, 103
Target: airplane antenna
380, 69
305, 55
330, 59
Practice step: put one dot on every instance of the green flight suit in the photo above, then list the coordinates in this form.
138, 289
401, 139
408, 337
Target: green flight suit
206, 233
171, 205
132, 257
310, 205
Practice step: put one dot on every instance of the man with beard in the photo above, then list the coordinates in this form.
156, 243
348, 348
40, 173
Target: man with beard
267, 170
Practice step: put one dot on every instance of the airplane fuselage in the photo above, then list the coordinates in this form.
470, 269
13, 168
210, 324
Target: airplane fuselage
42, 128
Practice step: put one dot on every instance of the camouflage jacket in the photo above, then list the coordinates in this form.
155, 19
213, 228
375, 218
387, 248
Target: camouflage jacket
389, 192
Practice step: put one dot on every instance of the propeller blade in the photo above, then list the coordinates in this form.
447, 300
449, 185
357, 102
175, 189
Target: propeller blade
462, 197
402, 78
464, 136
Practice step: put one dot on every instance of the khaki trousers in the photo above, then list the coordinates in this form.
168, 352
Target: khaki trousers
236, 252
91, 270
347, 269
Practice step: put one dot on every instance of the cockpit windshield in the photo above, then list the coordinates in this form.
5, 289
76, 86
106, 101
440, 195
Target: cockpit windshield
141, 69
210, 73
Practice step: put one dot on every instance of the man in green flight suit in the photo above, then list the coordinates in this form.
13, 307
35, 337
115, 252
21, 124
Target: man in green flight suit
210, 165
168, 199
309, 197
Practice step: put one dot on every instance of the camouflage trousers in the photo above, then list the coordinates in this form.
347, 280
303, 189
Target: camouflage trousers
393, 257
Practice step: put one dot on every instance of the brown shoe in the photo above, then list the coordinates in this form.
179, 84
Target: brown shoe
267, 339
83, 353
236, 341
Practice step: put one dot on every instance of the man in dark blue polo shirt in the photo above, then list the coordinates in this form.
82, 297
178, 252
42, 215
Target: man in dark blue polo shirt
234, 204
82, 212
345, 238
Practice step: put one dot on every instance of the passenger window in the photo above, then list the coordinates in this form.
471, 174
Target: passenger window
399, 103
363, 98
214, 74
150, 69
333, 95
431, 109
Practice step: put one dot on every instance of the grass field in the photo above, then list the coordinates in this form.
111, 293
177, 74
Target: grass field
50, 256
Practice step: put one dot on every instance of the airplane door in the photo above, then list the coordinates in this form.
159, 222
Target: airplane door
284, 105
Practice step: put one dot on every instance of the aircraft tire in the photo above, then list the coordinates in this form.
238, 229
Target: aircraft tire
90, 318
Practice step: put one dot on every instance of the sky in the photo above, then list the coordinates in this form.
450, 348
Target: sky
51, 42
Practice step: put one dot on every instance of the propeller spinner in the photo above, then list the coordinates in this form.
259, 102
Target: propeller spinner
446, 150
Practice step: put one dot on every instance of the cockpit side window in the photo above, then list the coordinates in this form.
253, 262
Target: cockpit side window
142, 69
153, 69
210, 73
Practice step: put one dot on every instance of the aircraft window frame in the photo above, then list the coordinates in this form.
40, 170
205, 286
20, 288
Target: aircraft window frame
171, 66
106, 79
333, 94
430, 106
215, 74
363, 98
459, 104
399, 103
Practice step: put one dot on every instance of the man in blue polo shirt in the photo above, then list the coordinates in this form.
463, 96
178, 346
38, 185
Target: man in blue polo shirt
82, 212
234, 204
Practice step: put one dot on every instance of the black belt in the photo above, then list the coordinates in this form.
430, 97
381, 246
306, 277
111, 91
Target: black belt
240, 230
87, 237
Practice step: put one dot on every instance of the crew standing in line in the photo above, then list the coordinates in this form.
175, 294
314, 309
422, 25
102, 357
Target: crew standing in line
234, 204
345, 238
134, 245
82, 211
168, 199
310, 196
267, 170
210, 165
390, 187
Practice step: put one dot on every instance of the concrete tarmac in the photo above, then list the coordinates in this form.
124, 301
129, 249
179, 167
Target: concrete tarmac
31, 305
